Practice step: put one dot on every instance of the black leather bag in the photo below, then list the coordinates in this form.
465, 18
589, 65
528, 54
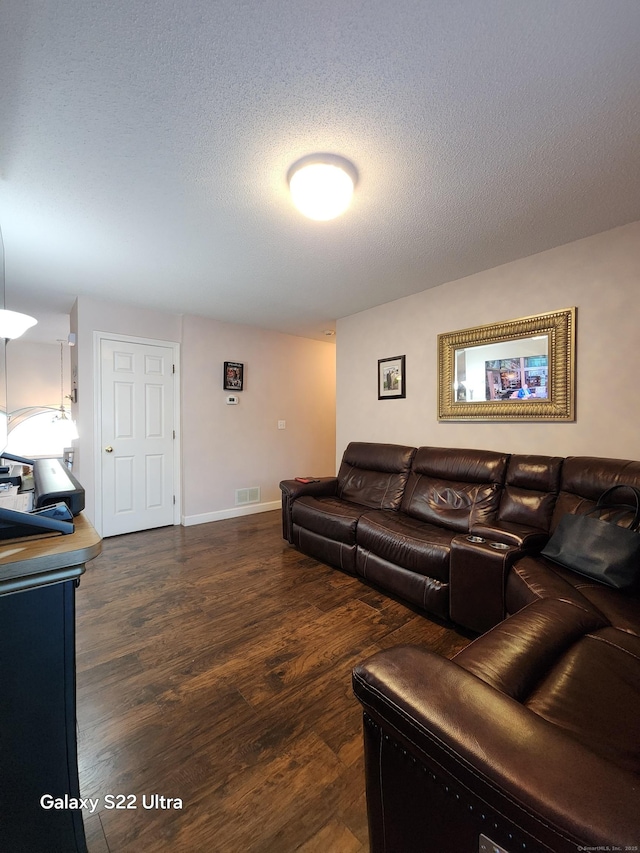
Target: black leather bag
600, 548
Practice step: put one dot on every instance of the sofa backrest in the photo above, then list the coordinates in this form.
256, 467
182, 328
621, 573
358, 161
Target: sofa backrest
585, 478
455, 488
374, 475
530, 490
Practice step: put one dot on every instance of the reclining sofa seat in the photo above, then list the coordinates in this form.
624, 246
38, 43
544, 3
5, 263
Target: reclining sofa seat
408, 552
583, 480
323, 524
479, 569
527, 502
401, 519
531, 734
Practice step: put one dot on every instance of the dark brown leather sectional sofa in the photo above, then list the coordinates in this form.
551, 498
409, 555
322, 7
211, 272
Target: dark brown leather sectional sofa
530, 737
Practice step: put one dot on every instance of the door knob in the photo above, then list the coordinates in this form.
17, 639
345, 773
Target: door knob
109, 449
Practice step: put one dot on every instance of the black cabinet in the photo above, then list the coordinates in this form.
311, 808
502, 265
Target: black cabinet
38, 721
38, 744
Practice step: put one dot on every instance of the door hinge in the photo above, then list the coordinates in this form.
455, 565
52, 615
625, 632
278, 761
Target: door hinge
173, 368
174, 434
174, 500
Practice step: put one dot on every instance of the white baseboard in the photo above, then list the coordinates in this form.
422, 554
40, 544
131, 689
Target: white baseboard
234, 512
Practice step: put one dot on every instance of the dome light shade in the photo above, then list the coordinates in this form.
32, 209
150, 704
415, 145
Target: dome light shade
13, 324
322, 185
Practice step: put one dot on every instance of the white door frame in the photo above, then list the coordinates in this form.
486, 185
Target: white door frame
98, 337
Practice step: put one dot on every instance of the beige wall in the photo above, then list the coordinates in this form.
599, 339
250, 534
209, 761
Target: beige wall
33, 374
233, 447
224, 448
600, 275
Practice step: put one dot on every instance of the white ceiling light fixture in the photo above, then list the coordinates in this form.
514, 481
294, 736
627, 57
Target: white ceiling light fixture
13, 324
322, 185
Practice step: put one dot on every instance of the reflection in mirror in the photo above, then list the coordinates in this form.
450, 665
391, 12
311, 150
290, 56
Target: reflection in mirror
510, 370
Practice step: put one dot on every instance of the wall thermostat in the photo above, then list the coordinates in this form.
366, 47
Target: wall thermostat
233, 400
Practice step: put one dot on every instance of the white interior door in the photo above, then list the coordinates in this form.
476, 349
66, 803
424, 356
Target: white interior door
137, 436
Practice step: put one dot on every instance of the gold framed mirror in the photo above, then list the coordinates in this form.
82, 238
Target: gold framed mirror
517, 370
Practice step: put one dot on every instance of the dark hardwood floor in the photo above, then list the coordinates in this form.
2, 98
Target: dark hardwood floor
214, 666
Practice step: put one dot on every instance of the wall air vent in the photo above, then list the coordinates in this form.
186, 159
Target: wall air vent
248, 496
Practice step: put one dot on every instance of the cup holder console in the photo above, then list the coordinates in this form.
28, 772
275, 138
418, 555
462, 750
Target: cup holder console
499, 546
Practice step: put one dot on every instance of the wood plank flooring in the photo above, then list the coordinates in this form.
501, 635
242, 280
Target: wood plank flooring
214, 666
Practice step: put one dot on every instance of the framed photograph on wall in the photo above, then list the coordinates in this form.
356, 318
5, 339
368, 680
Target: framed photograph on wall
392, 384
233, 376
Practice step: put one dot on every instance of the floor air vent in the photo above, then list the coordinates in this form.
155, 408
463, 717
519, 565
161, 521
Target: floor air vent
248, 496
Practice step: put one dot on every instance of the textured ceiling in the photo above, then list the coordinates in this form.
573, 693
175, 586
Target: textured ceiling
145, 144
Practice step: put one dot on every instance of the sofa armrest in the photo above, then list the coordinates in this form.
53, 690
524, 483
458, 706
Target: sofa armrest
449, 757
478, 569
294, 489
519, 535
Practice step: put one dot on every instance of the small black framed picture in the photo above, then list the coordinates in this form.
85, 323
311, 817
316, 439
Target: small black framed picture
233, 376
392, 384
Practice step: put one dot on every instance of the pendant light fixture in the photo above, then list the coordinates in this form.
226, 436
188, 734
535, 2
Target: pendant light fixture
322, 185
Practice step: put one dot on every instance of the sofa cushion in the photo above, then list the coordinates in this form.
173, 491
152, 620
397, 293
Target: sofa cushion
454, 488
329, 551
374, 475
530, 491
422, 590
585, 478
534, 578
621, 611
407, 542
516, 654
609, 659
330, 517
565, 664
